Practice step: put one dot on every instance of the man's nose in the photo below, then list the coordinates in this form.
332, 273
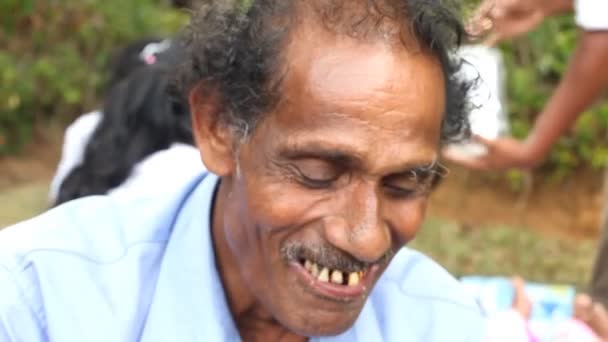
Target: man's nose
359, 228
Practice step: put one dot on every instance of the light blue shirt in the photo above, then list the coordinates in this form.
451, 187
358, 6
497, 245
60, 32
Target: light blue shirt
113, 269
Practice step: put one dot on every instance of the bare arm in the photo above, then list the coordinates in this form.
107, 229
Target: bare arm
559, 6
583, 82
506, 19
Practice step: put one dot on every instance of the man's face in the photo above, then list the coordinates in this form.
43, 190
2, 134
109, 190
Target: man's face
335, 180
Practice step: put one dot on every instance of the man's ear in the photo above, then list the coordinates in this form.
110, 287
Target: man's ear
213, 138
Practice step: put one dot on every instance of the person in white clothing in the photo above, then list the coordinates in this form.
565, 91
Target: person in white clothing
137, 54
78, 134
141, 135
75, 140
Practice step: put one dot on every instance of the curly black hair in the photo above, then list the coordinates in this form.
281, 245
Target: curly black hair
235, 47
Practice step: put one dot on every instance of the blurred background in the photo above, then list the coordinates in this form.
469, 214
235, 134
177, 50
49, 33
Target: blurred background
541, 225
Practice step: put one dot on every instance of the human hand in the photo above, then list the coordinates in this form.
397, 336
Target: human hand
499, 20
502, 153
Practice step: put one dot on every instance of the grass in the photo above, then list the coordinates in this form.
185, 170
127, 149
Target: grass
22, 202
463, 251
507, 251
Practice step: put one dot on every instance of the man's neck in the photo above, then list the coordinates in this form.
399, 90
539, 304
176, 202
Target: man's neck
253, 321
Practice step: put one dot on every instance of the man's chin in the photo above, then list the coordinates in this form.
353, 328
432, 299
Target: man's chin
317, 308
315, 323
310, 315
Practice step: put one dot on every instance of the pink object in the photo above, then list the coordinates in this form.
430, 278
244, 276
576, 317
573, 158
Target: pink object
151, 59
511, 326
574, 330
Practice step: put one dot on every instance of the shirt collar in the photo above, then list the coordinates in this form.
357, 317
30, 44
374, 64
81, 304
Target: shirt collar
189, 296
189, 302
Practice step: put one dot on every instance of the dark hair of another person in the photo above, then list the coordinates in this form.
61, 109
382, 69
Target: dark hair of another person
236, 49
124, 61
139, 118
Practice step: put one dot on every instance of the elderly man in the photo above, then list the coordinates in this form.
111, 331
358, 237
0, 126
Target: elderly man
321, 124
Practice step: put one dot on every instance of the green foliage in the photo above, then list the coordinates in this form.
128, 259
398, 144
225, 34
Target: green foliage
53, 55
535, 64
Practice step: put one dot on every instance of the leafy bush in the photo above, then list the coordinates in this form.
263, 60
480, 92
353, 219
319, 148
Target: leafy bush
53, 56
53, 53
535, 64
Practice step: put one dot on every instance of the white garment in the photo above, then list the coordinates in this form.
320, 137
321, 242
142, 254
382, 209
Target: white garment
484, 67
115, 269
76, 138
156, 173
161, 171
592, 15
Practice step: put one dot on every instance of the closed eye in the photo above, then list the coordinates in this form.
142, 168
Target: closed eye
315, 173
400, 192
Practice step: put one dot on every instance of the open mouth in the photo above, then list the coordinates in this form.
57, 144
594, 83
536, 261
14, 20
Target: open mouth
334, 276
335, 284
331, 274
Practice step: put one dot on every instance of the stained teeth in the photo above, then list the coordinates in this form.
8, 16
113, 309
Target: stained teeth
314, 270
324, 275
308, 265
353, 279
336, 277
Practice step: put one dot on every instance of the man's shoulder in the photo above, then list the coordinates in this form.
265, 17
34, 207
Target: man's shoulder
99, 258
415, 275
415, 292
97, 228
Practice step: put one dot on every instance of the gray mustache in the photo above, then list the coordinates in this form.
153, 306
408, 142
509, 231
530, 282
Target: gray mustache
329, 257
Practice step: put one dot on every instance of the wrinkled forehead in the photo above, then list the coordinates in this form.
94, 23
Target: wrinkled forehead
339, 74
342, 36
382, 103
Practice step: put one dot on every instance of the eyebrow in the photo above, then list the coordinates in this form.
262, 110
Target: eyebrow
334, 156
350, 159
